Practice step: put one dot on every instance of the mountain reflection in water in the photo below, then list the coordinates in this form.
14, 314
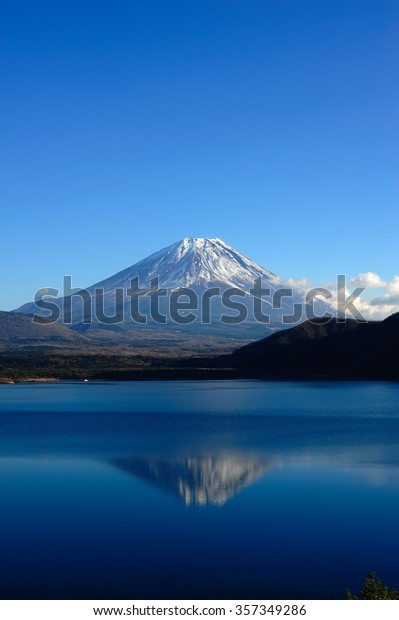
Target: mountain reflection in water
199, 480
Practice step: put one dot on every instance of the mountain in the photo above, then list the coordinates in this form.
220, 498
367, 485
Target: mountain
18, 330
114, 311
189, 263
338, 350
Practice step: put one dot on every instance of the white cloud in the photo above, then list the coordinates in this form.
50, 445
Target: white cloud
393, 287
371, 307
385, 300
301, 284
377, 307
368, 280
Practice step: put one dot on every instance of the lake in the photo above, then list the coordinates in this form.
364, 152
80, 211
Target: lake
197, 489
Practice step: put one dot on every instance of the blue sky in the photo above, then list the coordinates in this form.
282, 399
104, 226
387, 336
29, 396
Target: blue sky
126, 126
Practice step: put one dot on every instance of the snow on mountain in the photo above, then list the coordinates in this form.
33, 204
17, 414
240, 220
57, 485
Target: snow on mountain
191, 262
195, 263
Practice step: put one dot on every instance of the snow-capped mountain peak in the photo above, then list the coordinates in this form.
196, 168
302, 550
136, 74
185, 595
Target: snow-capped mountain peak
194, 261
198, 264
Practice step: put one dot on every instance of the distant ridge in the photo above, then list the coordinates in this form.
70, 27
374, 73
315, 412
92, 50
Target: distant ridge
19, 330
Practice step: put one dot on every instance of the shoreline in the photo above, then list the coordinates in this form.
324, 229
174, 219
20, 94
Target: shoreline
194, 377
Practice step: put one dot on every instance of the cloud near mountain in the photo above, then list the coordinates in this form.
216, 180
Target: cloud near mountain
376, 307
372, 307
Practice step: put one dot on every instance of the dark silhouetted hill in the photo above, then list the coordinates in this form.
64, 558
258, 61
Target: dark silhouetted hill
337, 350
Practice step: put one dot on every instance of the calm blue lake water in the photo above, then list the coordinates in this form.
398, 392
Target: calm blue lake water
203, 489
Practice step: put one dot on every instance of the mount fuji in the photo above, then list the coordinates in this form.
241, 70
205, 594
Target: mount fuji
196, 265
189, 263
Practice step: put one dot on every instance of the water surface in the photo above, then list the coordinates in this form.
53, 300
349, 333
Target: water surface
201, 489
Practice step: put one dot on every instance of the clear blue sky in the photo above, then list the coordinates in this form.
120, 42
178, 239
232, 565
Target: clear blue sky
128, 125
